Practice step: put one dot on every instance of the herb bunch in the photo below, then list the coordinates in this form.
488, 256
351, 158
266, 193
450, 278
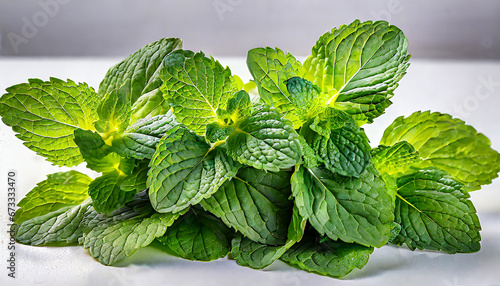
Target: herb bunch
204, 166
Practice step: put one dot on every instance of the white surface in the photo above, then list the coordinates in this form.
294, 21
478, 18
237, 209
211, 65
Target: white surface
438, 86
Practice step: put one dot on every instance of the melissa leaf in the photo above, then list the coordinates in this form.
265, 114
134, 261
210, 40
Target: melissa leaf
434, 213
359, 66
449, 144
44, 114
185, 169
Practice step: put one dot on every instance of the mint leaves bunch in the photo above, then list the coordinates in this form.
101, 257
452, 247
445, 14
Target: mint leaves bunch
191, 161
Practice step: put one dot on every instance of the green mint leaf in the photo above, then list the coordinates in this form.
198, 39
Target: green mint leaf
185, 169
359, 65
136, 181
217, 132
140, 139
270, 69
449, 144
112, 238
59, 227
238, 106
256, 255
106, 193
344, 150
197, 236
196, 87
306, 97
311, 159
395, 159
97, 154
46, 113
114, 111
148, 105
265, 140
364, 211
329, 258
59, 190
142, 68
256, 204
434, 213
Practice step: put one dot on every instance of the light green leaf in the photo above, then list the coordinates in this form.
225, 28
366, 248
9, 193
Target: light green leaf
196, 87
265, 140
359, 65
306, 97
352, 209
136, 181
238, 106
449, 144
114, 111
185, 169
59, 190
395, 159
197, 235
59, 227
256, 255
142, 68
114, 237
434, 213
97, 154
255, 203
270, 69
45, 115
106, 193
329, 258
217, 131
148, 105
140, 139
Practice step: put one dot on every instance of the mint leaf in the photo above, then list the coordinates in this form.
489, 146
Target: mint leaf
106, 192
148, 105
238, 106
142, 68
359, 66
114, 111
217, 132
185, 169
434, 213
256, 255
196, 87
59, 190
112, 238
329, 258
46, 113
306, 97
352, 209
395, 159
140, 139
270, 69
449, 144
197, 235
136, 181
254, 203
59, 227
97, 154
265, 140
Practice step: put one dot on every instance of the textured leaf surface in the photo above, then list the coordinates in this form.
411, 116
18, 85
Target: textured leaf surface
395, 159
270, 69
59, 190
256, 255
136, 181
256, 204
185, 170
98, 156
265, 140
356, 210
140, 139
114, 237
306, 97
359, 65
449, 144
44, 114
142, 68
435, 214
238, 106
148, 105
106, 193
59, 227
330, 258
196, 86
114, 111
197, 236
